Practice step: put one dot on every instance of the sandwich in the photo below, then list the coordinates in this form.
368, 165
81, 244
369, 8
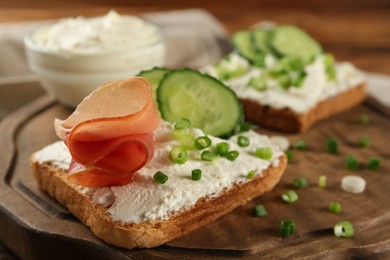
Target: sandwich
285, 80
139, 180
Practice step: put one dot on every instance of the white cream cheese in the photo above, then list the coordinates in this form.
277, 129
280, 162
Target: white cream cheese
109, 33
315, 87
144, 199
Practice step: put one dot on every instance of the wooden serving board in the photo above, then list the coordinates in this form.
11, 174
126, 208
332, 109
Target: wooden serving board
36, 227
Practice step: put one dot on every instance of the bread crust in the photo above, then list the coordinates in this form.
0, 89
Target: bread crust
289, 121
53, 180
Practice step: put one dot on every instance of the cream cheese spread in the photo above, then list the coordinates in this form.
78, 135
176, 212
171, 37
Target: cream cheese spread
314, 89
98, 35
144, 199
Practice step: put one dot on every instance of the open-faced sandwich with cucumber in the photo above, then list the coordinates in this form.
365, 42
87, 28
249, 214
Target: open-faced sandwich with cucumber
143, 163
285, 80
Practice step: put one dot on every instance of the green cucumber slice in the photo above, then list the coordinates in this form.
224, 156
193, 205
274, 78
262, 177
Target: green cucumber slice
243, 44
261, 38
154, 76
294, 42
205, 101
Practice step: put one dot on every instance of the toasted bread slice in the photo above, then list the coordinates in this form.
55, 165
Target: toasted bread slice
150, 233
289, 121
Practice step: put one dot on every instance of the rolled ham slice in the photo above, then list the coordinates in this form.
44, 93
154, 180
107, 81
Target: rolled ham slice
110, 134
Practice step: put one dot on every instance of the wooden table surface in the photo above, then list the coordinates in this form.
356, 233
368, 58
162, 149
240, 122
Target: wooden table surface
358, 31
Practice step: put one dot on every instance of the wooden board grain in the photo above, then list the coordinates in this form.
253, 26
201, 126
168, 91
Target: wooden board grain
29, 219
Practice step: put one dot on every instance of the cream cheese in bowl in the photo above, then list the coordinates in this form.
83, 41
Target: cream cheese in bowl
75, 55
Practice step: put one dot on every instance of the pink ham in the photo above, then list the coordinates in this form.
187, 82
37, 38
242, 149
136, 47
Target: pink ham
110, 134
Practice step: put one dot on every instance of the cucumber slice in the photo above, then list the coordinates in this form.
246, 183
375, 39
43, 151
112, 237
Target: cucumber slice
205, 101
294, 42
154, 76
243, 44
261, 38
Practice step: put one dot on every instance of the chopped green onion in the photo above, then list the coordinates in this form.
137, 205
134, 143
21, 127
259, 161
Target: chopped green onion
335, 207
196, 174
178, 134
260, 211
332, 145
202, 142
373, 163
287, 228
364, 142
300, 145
329, 66
290, 196
284, 80
351, 163
251, 174
208, 156
343, 229
290, 155
182, 123
322, 181
222, 148
186, 140
363, 119
353, 184
264, 153
160, 177
243, 141
232, 155
300, 183
300, 78
258, 83
178, 155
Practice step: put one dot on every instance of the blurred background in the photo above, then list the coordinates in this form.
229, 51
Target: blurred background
355, 30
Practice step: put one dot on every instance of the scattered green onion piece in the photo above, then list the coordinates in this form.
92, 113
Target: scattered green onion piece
335, 207
363, 119
182, 123
186, 140
351, 163
178, 155
290, 196
196, 174
329, 66
251, 174
160, 177
300, 145
290, 155
300, 183
178, 134
222, 148
287, 228
202, 142
322, 181
373, 163
332, 145
232, 155
258, 83
300, 78
364, 142
264, 153
243, 141
260, 211
343, 229
208, 156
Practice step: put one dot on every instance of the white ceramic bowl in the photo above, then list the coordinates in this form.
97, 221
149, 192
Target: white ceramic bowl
71, 77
